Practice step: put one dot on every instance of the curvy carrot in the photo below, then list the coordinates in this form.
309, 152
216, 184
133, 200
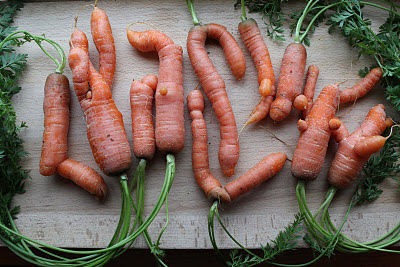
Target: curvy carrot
84, 176
309, 87
200, 162
104, 41
315, 133
349, 161
262, 171
56, 123
170, 131
363, 87
141, 99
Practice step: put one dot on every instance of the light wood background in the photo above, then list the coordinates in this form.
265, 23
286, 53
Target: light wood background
58, 212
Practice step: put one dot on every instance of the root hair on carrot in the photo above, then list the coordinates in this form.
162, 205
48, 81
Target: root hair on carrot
276, 137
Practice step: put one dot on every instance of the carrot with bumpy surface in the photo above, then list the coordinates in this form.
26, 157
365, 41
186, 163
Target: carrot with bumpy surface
315, 133
141, 99
200, 162
170, 131
56, 123
354, 151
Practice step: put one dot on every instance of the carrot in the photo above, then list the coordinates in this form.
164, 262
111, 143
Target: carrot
309, 87
254, 42
56, 123
262, 171
104, 41
363, 87
105, 128
315, 133
354, 151
170, 131
200, 162
290, 80
84, 176
341, 133
141, 98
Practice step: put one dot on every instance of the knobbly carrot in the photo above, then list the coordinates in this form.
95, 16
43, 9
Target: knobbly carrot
104, 41
354, 151
200, 162
84, 176
262, 171
56, 123
105, 128
315, 133
141, 99
170, 131
363, 87
254, 42
290, 81
309, 87
341, 133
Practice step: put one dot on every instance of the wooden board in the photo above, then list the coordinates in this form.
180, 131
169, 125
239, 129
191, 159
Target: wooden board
57, 212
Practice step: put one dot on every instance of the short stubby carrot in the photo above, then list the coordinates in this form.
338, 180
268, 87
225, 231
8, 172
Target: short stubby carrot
255, 44
84, 176
141, 99
262, 171
290, 81
309, 87
170, 131
200, 161
363, 87
315, 133
347, 164
56, 123
214, 87
104, 41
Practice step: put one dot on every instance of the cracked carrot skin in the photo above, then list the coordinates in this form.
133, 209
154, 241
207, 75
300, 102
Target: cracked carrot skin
105, 128
254, 42
104, 42
290, 81
347, 164
315, 133
214, 86
200, 161
363, 87
56, 123
262, 171
170, 131
84, 176
141, 99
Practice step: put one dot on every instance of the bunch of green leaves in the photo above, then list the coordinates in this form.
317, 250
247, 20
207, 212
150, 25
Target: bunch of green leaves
272, 15
12, 175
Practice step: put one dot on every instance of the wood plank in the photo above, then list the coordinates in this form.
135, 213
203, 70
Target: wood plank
57, 212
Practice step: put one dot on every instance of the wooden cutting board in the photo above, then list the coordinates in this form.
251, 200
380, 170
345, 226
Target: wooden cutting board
57, 212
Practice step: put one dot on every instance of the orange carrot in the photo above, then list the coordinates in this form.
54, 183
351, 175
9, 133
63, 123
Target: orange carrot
290, 81
262, 171
341, 133
310, 152
255, 44
214, 86
104, 41
309, 88
141, 98
105, 128
170, 131
363, 87
354, 151
83, 176
56, 123
200, 162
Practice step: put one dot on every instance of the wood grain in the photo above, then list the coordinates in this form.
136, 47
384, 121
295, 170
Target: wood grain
57, 212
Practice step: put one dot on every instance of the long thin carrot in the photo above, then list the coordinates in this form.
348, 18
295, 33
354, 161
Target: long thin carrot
309, 87
347, 164
200, 162
84, 176
141, 99
56, 123
170, 131
104, 41
363, 87
315, 133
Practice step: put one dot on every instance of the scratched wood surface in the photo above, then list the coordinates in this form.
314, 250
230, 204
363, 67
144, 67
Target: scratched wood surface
58, 212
